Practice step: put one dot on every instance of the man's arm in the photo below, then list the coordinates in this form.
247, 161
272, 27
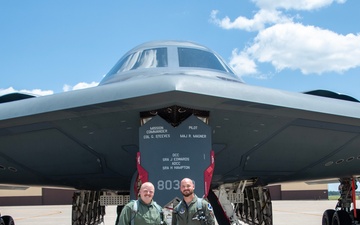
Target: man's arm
209, 213
174, 219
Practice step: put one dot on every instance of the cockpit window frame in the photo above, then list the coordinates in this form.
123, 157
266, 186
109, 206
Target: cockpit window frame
135, 61
198, 58
131, 65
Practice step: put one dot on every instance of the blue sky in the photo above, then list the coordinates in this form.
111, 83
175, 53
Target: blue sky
48, 47
296, 45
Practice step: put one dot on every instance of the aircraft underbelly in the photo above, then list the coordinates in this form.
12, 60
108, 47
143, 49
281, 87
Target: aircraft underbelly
96, 144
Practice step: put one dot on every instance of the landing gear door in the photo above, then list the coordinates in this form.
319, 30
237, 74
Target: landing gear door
168, 154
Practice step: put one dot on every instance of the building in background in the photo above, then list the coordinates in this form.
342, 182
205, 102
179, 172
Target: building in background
298, 191
16, 195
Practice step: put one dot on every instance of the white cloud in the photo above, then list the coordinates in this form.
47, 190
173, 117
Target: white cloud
295, 4
35, 92
67, 87
81, 85
269, 13
7, 91
242, 64
259, 21
39, 92
286, 44
307, 48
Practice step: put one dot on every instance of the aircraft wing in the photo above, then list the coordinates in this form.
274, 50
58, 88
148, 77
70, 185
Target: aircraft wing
88, 139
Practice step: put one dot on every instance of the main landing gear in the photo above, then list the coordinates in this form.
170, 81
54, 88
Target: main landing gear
241, 202
86, 208
6, 220
343, 214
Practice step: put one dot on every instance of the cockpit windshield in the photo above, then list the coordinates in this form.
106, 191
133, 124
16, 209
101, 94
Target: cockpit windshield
178, 57
149, 58
190, 57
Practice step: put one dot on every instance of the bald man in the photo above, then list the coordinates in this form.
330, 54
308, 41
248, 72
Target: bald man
192, 210
146, 210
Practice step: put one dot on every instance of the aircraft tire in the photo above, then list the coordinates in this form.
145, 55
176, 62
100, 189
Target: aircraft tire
341, 217
327, 217
357, 214
8, 220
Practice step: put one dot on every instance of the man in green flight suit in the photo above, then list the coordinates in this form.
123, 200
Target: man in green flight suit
144, 210
192, 210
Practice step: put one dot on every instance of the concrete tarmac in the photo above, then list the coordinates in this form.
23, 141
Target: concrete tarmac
284, 213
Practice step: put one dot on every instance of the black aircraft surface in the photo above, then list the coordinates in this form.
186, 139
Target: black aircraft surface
169, 110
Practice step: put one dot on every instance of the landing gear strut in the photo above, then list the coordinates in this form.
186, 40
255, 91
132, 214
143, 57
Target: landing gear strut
86, 208
249, 204
342, 215
257, 207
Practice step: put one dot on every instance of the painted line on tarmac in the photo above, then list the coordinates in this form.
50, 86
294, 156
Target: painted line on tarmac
39, 216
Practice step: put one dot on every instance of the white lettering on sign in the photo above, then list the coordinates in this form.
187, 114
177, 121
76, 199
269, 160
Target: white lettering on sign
157, 132
199, 135
162, 136
175, 162
168, 185
182, 167
193, 127
182, 159
192, 135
